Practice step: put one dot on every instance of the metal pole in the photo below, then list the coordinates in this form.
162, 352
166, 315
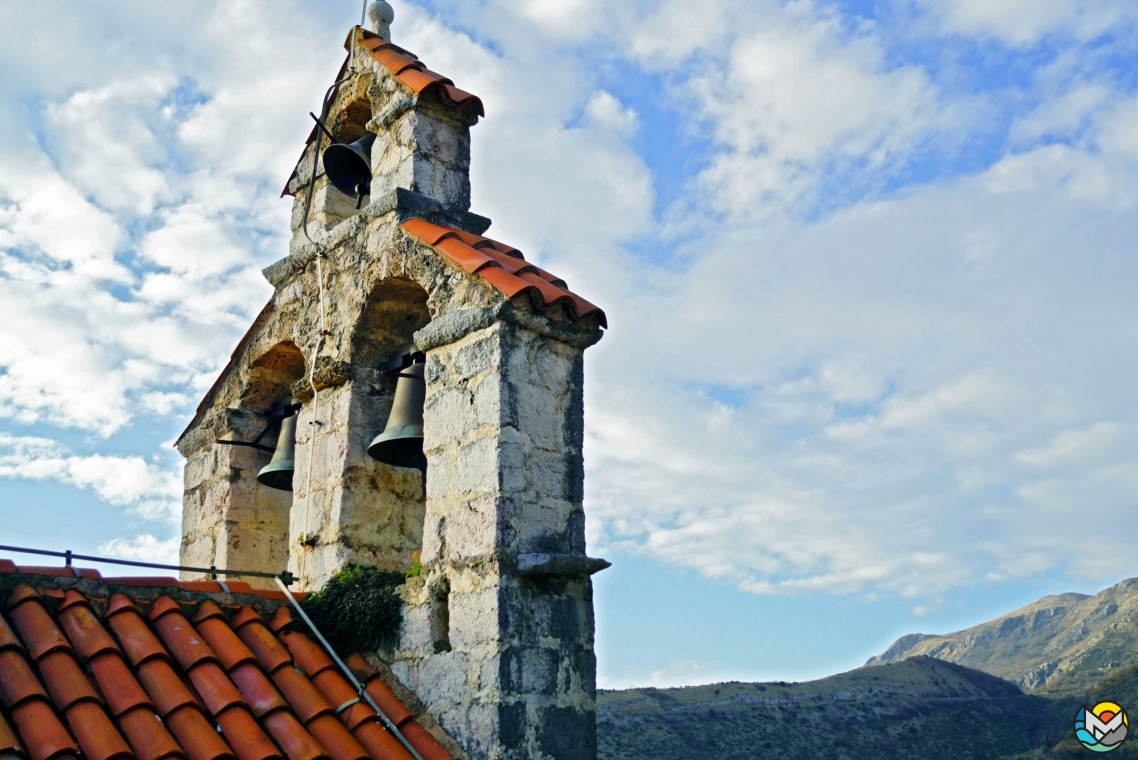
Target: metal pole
348, 672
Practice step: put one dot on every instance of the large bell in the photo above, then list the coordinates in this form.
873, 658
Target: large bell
348, 166
401, 442
278, 472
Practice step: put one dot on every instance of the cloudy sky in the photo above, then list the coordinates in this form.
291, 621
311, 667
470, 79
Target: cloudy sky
869, 265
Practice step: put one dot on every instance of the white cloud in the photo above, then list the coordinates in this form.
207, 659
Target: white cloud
143, 548
148, 490
1021, 23
800, 105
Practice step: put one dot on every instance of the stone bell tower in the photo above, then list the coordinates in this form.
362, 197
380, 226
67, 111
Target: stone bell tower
497, 636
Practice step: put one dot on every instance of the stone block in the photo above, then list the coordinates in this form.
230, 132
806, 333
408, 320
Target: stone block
475, 469
474, 618
567, 733
472, 529
527, 670
448, 416
443, 678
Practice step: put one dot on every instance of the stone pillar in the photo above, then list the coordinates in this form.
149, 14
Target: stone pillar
498, 636
424, 149
230, 521
359, 510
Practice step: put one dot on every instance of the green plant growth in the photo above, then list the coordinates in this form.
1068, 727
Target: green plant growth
358, 610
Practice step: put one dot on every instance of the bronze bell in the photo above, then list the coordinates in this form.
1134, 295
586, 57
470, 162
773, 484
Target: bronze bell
401, 442
348, 166
278, 472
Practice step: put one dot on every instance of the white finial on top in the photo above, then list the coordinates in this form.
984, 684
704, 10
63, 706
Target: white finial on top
381, 14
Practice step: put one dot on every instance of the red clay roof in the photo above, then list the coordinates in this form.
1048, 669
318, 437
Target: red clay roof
504, 267
145, 677
410, 72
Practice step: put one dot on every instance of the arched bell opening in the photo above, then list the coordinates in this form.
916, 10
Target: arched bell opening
346, 152
262, 511
383, 508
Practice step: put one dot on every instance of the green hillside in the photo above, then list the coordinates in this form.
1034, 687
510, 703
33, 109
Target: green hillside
917, 708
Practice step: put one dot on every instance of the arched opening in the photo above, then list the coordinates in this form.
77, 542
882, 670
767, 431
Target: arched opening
381, 507
262, 513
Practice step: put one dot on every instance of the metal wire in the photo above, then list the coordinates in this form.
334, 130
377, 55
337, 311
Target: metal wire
213, 571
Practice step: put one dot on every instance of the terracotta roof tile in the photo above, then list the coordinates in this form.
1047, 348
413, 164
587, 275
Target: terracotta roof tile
8, 566
504, 268
297, 743
36, 628
18, 683
214, 687
335, 737
196, 736
161, 682
302, 694
42, 732
164, 686
379, 742
409, 71
66, 683
97, 736
88, 636
425, 744
246, 737
9, 744
120, 688
148, 736
8, 639
267, 648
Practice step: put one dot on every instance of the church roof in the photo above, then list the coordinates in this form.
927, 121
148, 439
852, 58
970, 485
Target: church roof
156, 668
504, 267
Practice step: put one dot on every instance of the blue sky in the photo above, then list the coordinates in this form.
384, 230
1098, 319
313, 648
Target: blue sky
869, 268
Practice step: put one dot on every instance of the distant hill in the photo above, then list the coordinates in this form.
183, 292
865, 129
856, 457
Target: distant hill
919, 707
927, 696
1056, 645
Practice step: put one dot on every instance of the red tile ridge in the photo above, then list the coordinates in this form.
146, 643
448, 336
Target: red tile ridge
8, 566
61, 572
501, 266
143, 581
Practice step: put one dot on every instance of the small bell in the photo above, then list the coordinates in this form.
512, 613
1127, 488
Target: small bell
401, 442
278, 472
348, 166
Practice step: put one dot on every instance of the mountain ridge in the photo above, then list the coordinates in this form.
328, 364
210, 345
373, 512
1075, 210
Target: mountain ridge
1058, 643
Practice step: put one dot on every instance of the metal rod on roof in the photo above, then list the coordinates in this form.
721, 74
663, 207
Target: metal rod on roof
348, 672
68, 556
